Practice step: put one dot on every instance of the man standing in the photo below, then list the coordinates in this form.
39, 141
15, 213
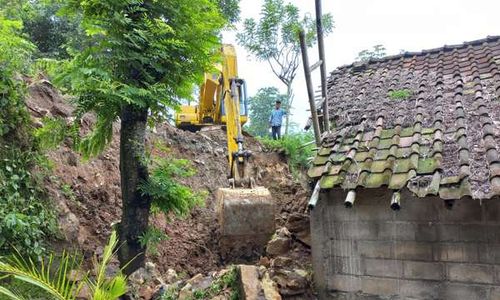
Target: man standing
275, 120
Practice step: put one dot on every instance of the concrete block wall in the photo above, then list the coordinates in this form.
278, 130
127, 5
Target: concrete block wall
423, 251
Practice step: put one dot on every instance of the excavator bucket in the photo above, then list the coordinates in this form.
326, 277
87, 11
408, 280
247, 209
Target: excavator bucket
246, 219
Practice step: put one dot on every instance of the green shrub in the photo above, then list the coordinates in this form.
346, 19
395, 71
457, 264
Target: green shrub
167, 193
297, 147
25, 220
52, 133
152, 238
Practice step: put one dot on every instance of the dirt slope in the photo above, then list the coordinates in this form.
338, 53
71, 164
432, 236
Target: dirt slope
87, 194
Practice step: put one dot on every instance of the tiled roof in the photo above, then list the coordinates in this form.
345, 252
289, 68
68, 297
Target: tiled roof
426, 121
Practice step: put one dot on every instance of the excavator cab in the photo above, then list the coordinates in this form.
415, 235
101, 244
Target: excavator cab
245, 211
243, 102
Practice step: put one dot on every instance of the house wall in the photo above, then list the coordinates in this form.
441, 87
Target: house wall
423, 251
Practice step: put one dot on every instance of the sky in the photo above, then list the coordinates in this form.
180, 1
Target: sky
361, 24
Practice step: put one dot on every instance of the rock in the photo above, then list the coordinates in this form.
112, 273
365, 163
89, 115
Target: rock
139, 277
150, 267
171, 276
264, 261
200, 162
283, 232
270, 288
186, 293
249, 282
219, 151
200, 282
69, 225
206, 137
75, 275
85, 293
146, 292
298, 224
83, 235
278, 245
61, 110
281, 262
38, 112
37, 123
291, 283
221, 273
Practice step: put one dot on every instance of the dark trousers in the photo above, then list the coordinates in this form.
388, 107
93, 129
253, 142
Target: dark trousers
276, 132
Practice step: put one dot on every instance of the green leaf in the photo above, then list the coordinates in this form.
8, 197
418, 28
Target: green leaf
10, 294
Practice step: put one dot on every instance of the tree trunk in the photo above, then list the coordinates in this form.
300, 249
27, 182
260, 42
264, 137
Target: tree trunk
289, 106
133, 171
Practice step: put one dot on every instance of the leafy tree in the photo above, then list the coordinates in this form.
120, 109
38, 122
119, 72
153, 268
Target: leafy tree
260, 108
366, 55
143, 57
230, 9
49, 31
273, 38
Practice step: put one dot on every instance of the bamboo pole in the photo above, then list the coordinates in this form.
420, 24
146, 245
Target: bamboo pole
310, 91
321, 49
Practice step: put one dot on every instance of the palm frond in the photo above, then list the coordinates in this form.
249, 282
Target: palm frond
104, 288
55, 283
10, 294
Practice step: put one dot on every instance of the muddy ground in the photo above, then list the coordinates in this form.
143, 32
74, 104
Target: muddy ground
87, 193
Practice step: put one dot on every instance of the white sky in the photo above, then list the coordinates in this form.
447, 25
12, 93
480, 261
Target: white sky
360, 24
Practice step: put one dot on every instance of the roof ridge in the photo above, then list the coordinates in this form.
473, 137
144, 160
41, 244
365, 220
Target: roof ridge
407, 54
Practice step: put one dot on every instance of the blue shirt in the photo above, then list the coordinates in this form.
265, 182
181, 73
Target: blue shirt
276, 117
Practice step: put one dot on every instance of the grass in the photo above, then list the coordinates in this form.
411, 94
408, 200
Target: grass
292, 145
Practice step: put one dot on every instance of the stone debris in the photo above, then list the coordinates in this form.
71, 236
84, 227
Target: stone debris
280, 242
171, 276
270, 288
252, 283
298, 224
291, 282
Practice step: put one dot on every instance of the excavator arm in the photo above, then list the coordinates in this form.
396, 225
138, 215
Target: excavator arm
245, 212
234, 91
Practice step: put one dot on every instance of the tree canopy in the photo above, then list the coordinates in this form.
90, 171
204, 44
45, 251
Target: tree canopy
138, 58
274, 38
145, 54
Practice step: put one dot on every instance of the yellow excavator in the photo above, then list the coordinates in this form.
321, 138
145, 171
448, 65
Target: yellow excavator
245, 211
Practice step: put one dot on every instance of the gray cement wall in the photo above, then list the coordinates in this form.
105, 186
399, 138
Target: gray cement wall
423, 251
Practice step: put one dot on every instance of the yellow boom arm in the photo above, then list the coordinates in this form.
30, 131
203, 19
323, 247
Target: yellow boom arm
221, 96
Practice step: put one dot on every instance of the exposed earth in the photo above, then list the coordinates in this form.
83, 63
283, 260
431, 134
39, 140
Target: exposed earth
87, 195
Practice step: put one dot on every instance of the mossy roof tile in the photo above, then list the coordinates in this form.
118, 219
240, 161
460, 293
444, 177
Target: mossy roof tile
449, 119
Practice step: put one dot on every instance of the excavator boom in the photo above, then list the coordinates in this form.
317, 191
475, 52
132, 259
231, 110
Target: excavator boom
245, 212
